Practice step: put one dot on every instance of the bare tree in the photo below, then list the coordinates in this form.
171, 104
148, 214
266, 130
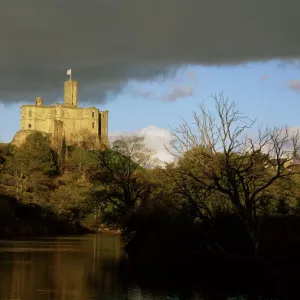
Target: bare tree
218, 156
133, 148
86, 139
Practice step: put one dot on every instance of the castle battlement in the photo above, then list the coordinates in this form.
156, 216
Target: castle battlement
66, 123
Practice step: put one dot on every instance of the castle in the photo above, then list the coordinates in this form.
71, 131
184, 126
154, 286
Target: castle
65, 123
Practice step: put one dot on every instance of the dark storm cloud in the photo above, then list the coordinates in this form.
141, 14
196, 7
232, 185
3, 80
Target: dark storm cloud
107, 42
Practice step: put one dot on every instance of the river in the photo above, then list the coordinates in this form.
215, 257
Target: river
77, 268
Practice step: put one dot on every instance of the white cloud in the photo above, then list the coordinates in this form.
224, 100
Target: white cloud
155, 138
158, 139
288, 146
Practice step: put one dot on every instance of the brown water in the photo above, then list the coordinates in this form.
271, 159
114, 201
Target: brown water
60, 268
73, 268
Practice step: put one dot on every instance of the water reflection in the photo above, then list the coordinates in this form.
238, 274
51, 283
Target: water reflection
62, 268
71, 268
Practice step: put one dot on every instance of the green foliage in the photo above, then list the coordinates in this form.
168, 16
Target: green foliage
37, 148
31, 174
120, 178
81, 159
6, 149
29, 167
70, 202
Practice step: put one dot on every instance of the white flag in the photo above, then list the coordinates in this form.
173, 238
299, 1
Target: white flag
69, 72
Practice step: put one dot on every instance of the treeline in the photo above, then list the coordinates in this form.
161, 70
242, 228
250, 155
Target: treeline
42, 193
231, 191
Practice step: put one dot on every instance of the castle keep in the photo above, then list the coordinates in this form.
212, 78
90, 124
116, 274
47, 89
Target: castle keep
64, 123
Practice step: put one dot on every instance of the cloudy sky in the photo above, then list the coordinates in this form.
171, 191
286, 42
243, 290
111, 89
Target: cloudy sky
150, 63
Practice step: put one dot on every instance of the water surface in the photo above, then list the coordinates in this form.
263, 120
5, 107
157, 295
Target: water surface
78, 268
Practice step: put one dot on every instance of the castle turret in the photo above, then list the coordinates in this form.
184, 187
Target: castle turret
39, 101
103, 128
71, 92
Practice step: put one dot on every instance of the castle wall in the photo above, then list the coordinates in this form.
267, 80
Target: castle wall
37, 117
103, 128
58, 136
75, 120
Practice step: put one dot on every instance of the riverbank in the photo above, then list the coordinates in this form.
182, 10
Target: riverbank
176, 250
104, 229
19, 220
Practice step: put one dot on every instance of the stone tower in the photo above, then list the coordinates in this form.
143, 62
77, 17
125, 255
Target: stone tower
71, 92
